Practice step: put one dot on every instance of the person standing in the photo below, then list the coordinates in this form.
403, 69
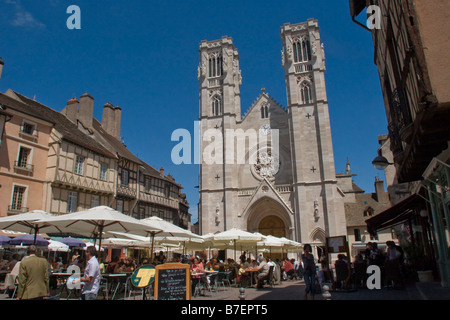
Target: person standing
309, 271
33, 277
92, 276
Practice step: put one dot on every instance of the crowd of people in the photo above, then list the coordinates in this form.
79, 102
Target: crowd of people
246, 272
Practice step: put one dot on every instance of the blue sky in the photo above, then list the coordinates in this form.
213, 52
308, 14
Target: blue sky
143, 56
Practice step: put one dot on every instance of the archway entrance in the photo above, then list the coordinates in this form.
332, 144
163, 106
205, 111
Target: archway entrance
268, 217
272, 225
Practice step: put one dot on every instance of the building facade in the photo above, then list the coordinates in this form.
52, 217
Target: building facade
284, 184
63, 162
411, 45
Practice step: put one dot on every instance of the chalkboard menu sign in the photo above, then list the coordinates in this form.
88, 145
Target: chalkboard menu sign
172, 282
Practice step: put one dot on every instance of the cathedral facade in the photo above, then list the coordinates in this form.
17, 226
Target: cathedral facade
287, 185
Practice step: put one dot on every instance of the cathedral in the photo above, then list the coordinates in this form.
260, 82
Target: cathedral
291, 188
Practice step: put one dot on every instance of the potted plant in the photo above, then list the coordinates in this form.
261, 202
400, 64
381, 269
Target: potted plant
420, 263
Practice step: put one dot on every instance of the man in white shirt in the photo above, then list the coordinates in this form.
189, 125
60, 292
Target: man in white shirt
91, 277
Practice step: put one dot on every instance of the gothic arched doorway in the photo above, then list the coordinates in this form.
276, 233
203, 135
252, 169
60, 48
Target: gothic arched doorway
272, 225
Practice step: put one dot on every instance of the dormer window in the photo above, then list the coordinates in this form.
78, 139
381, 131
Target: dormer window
369, 212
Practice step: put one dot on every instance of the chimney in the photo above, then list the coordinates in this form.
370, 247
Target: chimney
1, 66
86, 110
71, 110
161, 172
382, 196
117, 121
111, 120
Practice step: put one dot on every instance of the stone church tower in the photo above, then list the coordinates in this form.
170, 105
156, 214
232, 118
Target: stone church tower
287, 184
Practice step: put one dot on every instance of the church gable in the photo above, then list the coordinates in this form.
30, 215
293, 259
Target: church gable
264, 109
266, 190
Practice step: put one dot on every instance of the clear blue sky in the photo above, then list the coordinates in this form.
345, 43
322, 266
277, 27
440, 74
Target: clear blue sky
143, 56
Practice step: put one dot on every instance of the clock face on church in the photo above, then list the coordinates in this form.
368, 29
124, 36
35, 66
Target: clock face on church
265, 129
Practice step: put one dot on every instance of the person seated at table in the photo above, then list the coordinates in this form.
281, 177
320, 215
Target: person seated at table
75, 258
248, 263
288, 269
81, 264
212, 264
196, 268
14, 260
128, 266
243, 276
263, 271
161, 258
113, 266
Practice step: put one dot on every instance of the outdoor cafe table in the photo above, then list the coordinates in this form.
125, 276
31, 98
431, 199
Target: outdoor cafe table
62, 279
120, 277
252, 273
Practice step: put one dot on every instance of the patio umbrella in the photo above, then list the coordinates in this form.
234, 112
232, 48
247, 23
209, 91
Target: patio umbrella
28, 222
28, 239
236, 236
73, 242
95, 221
4, 240
57, 246
167, 230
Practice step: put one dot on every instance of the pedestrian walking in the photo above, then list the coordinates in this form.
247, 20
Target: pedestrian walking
309, 271
91, 277
33, 283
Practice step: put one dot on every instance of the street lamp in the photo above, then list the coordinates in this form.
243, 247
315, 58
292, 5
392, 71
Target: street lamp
381, 163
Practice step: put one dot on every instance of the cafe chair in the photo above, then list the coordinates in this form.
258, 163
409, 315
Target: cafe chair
103, 289
227, 279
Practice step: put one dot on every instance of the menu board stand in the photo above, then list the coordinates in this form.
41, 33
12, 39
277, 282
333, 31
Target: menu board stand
172, 282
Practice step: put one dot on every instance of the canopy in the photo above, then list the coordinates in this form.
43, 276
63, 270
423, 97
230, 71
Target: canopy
95, 221
4, 240
57, 246
28, 239
234, 236
28, 222
395, 215
73, 242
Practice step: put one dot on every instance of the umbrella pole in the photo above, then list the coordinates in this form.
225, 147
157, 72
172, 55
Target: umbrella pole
151, 252
100, 244
234, 250
35, 234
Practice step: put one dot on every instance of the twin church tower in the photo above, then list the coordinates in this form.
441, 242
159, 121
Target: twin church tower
290, 191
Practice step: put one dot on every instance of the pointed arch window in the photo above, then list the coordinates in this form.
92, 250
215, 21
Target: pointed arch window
216, 106
265, 112
215, 65
302, 50
306, 93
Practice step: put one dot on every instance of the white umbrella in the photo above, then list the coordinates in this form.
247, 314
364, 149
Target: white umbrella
57, 246
236, 236
95, 221
167, 230
29, 223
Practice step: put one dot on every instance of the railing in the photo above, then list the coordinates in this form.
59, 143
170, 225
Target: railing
215, 82
23, 166
303, 67
126, 191
400, 120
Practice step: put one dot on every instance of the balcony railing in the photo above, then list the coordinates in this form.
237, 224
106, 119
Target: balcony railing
16, 209
20, 165
126, 191
303, 67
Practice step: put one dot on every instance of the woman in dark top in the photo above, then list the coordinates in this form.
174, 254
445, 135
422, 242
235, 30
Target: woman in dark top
309, 273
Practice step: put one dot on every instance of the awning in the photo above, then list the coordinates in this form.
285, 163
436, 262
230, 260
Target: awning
395, 215
356, 7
